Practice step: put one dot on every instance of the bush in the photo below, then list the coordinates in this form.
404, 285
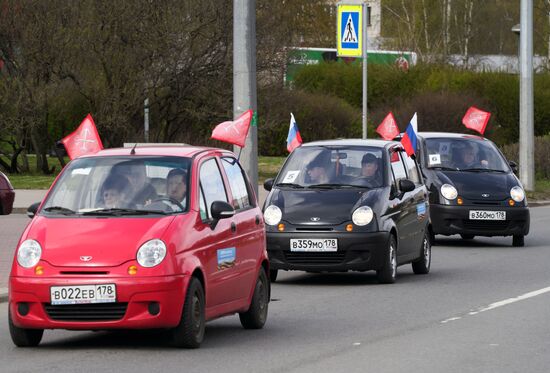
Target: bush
319, 117
542, 156
440, 94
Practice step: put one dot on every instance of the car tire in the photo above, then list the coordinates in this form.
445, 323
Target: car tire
432, 238
273, 275
190, 331
24, 337
256, 316
387, 274
518, 240
467, 236
422, 265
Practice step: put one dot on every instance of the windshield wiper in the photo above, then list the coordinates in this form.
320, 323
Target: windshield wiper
330, 186
120, 211
291, 185
442, 168
481, 169
59, 209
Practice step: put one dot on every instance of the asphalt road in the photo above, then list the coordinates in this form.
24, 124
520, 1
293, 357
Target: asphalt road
484, 308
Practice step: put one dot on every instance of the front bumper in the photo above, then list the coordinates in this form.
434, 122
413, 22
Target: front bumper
356, 251
448, 220
134, 297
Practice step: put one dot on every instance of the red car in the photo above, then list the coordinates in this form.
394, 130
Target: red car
162, 237
7, 195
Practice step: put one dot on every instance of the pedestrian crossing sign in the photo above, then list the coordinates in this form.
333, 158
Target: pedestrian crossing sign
349, 28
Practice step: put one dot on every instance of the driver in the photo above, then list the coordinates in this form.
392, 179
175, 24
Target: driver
369, 170
467, 158
176, 185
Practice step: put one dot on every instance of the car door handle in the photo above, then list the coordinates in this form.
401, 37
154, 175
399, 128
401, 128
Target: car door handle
257, 220
233, 227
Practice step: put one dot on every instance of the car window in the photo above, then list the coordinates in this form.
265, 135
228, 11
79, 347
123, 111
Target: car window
237, 183
312, 166
397, 167
211, 184
132, 183
412, 171
463, 153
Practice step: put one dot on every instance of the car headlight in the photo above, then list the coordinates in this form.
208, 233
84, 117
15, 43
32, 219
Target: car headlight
517, 194
273, 215
362, 216
448, 191
151, 253
29, 253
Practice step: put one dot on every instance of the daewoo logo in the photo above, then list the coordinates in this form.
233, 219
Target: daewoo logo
315, 218
485, 195
85, 258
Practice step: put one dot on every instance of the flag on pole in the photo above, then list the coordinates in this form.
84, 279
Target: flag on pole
476, 119
293, 139
234, 132
409, 138
388, 128
85, 140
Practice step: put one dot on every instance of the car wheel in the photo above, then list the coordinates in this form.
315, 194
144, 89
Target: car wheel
256, 315
422, 265
190, 331
273, 275
518, 240
386, 275
467, 236
24, 337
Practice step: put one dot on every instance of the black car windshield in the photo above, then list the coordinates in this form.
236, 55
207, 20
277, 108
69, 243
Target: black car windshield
464, 154
329, 167
121, 186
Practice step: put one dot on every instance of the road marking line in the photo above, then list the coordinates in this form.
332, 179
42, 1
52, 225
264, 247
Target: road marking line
501, 303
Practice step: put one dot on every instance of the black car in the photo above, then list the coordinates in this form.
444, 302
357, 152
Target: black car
473, 188
344, 205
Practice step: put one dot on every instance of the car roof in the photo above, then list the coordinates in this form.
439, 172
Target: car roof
450, 135
352, 142
155, 150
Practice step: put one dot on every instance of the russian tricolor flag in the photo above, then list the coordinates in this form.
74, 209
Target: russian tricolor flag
409, 138
293, 139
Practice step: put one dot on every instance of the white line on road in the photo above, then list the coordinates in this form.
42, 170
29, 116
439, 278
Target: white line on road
501, 303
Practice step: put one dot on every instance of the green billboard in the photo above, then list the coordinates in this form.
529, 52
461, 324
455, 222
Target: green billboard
300, 57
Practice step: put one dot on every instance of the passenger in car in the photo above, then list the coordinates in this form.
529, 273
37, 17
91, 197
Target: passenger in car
115, 190
317, 170
466, 158
141, 192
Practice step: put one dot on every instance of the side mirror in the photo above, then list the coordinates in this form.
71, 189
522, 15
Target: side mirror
31, 211
268, 184
513, 166
220, 210
405, 185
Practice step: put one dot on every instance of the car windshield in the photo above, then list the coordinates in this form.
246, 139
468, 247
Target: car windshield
333, 167
464, 154
121, 186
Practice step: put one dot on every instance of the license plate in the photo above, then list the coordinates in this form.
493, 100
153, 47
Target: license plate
487, 215
314, 244
81, 294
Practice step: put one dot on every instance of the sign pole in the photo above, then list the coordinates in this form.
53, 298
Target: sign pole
364, 71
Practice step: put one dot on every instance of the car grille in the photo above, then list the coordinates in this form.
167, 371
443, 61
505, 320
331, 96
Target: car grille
87, 312
488, 225
315, 258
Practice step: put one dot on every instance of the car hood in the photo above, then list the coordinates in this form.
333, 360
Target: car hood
323, 206
108, 241
477, 185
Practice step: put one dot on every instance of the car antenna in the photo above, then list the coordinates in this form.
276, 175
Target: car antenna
133, 151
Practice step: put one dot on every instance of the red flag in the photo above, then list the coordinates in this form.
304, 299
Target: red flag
85, 140
388, 128
476, 119
234, 132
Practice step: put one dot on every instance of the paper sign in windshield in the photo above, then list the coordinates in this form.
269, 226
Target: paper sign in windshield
434, 159
291, 176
